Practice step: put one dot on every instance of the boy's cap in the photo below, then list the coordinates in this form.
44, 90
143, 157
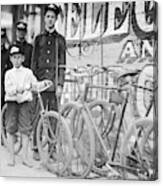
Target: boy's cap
21, 25
3, 32
14, 49
53, 8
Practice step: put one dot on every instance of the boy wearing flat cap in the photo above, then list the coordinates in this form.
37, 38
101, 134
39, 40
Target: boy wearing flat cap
19, 83
49, 52
21, 32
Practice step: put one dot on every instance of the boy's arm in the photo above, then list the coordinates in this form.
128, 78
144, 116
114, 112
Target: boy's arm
38, 85
10, 87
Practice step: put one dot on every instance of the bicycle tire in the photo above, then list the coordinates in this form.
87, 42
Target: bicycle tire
18, 145
60, 143
130, 155
149, 150
140, 93
108, 135
83, 141
101, 114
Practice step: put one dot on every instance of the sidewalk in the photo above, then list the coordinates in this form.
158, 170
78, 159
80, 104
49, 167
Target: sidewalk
20, 170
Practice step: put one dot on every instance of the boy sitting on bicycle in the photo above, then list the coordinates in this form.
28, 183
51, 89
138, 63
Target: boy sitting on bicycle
19, 84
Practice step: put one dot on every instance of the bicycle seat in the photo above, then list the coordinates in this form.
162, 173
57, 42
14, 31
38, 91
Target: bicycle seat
129, 73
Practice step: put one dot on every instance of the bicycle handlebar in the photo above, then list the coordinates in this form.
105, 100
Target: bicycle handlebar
144, 88
47, 84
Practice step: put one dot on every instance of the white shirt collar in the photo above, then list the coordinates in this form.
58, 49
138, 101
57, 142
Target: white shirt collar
18, 69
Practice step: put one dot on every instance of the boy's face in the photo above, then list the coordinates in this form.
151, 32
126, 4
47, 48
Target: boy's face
17, 60
50, 19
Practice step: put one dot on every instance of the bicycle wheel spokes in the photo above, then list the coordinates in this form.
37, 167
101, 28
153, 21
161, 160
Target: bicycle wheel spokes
149, 151
56, 154
132, 151
83, 141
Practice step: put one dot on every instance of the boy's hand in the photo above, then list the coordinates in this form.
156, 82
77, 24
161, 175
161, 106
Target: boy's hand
19, 98
20, 90
48, 83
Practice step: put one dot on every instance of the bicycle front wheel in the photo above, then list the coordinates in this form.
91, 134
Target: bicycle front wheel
83, 140
54, 142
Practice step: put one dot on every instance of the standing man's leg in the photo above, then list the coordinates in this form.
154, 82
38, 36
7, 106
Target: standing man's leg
53, 105
35, 119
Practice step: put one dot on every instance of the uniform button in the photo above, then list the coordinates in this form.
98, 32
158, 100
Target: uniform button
47, 70
49, 42
48, 51
47, 60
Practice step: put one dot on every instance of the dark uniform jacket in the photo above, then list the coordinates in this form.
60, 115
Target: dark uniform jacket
5, 65
27, 48
44, 59
5, 62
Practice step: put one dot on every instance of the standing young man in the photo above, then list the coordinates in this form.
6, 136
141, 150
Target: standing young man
49, 52
21, 32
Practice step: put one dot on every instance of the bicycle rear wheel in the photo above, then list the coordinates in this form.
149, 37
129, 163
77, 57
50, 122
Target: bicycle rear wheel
17, 136
54, 142
149, 151
132, 148
83, 140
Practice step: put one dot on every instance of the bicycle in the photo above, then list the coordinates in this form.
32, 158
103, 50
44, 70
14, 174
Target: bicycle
106, 128
82, 124
54, 140
55, 148
105, 115
139, 147
135, 140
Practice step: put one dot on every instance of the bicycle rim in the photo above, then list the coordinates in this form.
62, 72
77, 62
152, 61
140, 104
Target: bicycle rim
131, 154
84, 147
83, 140
55, 148
149, 151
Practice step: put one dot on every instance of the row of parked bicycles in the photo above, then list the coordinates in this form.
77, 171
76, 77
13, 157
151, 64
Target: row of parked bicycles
107, 138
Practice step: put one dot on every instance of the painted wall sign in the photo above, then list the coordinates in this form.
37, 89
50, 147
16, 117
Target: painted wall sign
88, 21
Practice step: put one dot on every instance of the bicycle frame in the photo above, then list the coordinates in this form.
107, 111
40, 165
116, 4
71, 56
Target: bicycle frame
88, 112
124, 104
123, 108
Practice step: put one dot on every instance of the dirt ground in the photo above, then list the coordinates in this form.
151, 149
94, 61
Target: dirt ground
20, 170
